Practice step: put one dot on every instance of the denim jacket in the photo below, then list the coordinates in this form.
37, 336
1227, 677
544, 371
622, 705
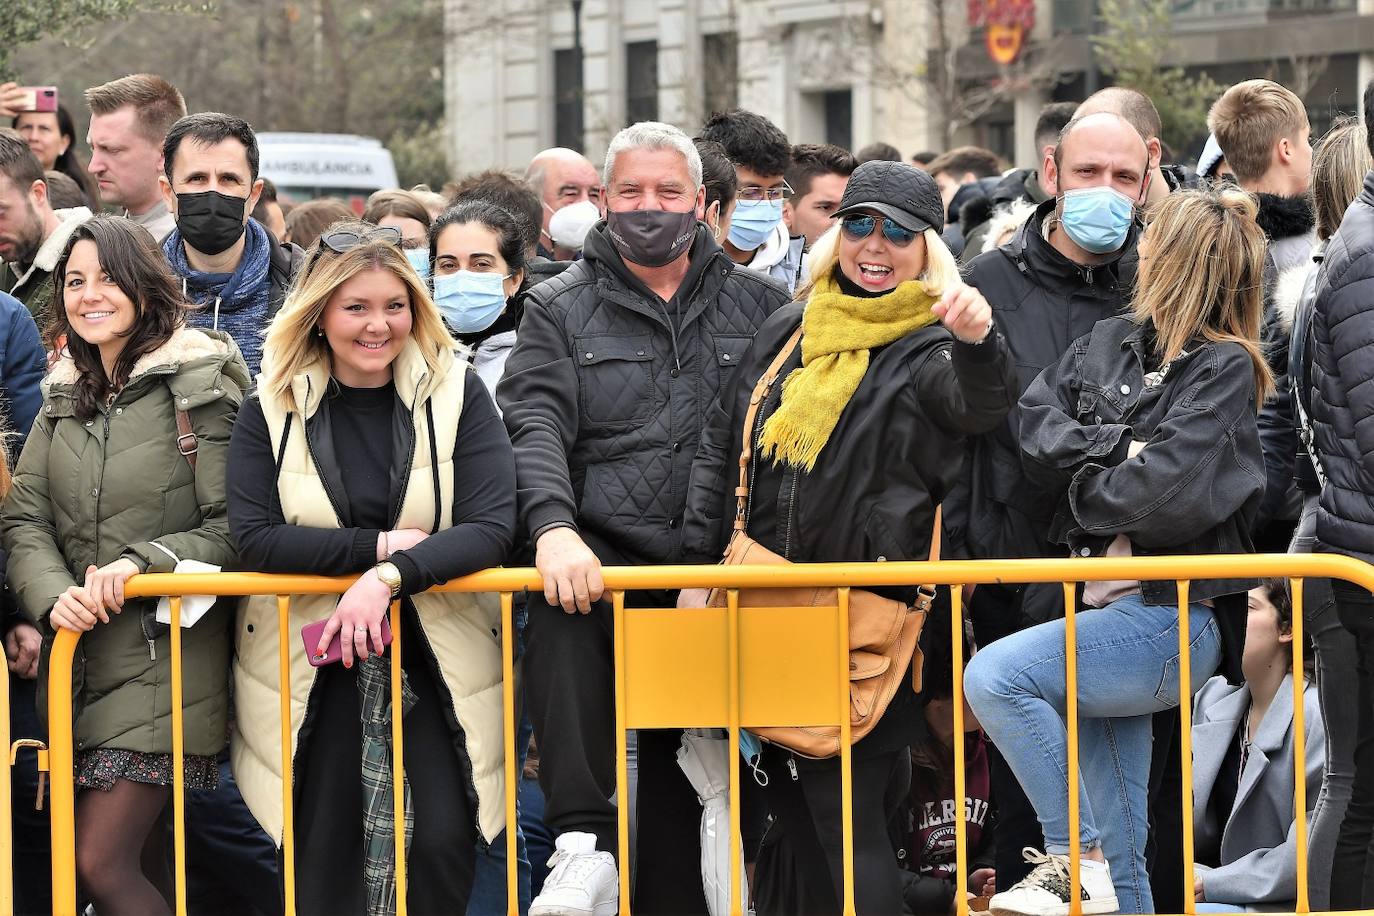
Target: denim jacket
1196, 485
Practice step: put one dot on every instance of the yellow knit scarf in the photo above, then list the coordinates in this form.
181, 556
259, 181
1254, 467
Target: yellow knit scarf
837, 332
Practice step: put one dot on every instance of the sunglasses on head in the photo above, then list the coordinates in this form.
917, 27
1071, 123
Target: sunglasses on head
861, 225
344, 240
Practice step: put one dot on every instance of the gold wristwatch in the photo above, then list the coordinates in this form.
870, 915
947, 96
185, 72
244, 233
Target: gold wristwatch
390, 576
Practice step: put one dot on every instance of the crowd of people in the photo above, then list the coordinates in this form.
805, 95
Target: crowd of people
713, 348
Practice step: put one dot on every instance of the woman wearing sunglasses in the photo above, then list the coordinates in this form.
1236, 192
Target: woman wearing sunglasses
370, 451
853, 452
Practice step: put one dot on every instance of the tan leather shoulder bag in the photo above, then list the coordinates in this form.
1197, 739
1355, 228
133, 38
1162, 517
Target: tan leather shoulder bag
884, 634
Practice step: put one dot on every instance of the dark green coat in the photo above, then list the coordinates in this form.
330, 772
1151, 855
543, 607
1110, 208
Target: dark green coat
91, 491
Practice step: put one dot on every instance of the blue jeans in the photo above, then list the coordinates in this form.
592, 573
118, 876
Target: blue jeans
1127, 671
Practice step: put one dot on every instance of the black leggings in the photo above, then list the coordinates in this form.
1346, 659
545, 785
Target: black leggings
1352, 869
329, 806
800, 867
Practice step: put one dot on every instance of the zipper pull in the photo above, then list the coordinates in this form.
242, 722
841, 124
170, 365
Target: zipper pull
152, 651
792, 768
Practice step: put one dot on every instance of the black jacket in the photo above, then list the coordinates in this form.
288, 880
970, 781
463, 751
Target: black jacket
608, 387
1193, 489
1287, 223
1343, 382
284, 262
1021, 184
873, 492
1042, 302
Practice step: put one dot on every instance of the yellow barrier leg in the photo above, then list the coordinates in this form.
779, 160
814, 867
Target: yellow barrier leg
622, 773
63, 814
1299, 747
1185, 753
6, 804
732, 747
1071, 723
956, 629
178, 763
512, 752
288, 828
846, 757
398, 773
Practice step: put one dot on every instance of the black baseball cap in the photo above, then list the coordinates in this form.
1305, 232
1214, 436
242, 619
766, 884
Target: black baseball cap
902, 193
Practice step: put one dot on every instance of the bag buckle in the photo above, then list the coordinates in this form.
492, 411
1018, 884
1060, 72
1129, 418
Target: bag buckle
925, 596
186, 449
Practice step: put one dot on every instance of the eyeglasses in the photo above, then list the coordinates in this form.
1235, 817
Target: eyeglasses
861, 226
754, 193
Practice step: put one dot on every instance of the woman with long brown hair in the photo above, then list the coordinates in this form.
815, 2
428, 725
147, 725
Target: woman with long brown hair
123, 473
1145, 433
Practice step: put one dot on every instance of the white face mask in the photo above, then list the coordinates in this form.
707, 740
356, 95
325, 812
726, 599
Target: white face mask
568, 227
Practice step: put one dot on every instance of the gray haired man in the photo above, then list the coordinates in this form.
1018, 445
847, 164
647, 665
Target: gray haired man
618, 363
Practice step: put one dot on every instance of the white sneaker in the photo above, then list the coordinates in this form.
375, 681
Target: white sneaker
1046, 890
583, 882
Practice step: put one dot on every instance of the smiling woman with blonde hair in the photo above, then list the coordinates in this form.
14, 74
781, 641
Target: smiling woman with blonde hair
371, 451
848, 457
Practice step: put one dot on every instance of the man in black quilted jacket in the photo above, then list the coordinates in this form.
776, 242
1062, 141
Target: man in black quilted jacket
1343, 427
618, 360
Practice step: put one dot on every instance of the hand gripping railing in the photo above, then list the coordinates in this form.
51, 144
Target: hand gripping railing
744, 665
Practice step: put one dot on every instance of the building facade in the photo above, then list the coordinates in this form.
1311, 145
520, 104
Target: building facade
524, 75
519, 77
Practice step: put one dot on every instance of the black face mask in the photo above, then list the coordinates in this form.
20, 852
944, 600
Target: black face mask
651, 238
209, 221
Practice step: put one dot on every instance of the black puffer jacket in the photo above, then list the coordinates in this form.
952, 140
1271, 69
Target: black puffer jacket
1343, 382
1042, 302
608, 387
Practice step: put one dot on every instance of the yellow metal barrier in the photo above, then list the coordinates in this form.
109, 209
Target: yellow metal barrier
746, 667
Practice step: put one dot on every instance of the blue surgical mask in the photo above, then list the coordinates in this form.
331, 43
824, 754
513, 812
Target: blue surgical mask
1097, 219
469, 301
753, 222
419, 259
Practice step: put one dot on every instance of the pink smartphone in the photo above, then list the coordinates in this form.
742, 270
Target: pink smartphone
310, 634
39, 98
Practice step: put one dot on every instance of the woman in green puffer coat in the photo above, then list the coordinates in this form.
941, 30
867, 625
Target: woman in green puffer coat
104, 490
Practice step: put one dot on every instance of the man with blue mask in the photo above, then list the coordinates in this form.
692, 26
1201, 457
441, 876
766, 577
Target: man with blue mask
758, 237
1070, 265
618, 363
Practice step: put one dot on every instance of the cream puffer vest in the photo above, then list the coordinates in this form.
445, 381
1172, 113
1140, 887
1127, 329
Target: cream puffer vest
460, 628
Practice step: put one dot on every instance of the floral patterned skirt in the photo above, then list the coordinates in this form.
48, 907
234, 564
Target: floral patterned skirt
100, 768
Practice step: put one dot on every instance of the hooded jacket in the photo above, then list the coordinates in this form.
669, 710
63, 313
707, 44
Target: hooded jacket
608, 388
32, 285
92, 491
1021, 185
1288, 224
1343, 382
1042, 302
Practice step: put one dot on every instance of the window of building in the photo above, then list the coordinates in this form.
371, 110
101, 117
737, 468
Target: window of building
839, 118
720, 71
567, 98
641, 81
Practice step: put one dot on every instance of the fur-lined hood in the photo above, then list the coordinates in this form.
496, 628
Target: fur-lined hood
1291, 285
1007, 219
200, 366
1285, 217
